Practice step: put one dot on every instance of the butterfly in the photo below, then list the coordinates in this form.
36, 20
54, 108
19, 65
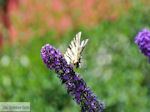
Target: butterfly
74, 51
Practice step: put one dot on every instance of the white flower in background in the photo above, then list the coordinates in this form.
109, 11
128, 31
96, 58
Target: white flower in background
6, 81
5, 60
24, 60
103, 57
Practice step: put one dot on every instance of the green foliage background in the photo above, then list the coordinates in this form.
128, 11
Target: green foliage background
114, 68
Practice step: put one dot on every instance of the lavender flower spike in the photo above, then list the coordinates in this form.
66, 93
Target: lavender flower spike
75, 85
143, 41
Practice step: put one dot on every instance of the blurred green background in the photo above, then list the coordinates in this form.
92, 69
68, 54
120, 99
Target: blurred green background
113, 67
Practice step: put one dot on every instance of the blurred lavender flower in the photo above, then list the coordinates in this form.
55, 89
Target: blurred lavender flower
74, 84
143, 41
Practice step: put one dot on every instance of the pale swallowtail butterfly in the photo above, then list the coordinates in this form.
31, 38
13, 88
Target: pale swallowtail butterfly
74, 51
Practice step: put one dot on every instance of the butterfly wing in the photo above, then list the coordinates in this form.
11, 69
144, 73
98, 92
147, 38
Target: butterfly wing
75, 49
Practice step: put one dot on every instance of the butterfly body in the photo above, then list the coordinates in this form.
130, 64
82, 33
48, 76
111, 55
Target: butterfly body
74, 51
77, 64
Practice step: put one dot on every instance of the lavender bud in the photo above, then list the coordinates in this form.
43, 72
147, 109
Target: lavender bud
143, 41
75, 85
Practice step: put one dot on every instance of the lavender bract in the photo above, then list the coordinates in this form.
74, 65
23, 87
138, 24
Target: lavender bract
143, 41
75, 85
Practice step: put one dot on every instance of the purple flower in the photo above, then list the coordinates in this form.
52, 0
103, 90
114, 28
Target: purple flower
143, 41
75, 85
